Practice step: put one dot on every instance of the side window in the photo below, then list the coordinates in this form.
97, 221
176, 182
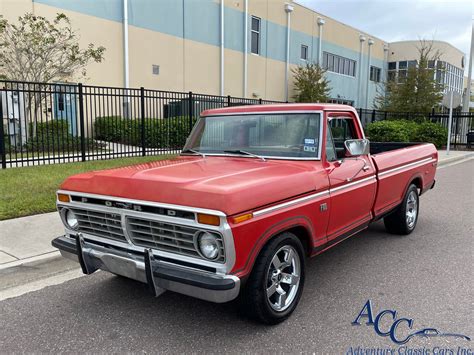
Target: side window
342, 129
330, 149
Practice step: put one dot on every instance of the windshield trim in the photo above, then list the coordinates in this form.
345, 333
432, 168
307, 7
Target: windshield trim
269, 157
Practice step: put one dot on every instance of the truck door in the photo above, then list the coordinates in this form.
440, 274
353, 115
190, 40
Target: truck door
352, 179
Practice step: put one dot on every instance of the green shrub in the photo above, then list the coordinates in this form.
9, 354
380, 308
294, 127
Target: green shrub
407, 131
54, 136
108, 128
430, 132
390, 131
159, 133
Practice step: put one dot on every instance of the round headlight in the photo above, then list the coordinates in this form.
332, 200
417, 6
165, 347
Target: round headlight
71, 219
208, 245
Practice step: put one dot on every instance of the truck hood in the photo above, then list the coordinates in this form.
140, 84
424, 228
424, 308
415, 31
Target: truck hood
226, 184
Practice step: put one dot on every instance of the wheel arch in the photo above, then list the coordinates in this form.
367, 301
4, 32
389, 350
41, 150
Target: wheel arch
300, 226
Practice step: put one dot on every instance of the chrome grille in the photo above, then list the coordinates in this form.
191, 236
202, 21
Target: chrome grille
101, 224
167, 237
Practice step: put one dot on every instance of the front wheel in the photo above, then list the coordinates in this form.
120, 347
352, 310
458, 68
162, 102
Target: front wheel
403, 219
276, 282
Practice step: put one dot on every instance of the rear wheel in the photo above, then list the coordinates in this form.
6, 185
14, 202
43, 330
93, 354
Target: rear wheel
403, 220
276, 282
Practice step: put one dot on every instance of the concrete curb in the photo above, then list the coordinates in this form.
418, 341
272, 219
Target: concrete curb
453, 159
32, 260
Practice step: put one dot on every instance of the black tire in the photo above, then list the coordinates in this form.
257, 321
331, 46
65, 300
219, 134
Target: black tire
254, 301
398, 222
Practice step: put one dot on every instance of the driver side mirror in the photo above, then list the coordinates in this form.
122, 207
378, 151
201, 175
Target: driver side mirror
357, 147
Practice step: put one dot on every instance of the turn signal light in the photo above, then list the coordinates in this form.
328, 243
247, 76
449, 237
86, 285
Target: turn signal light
208, 219
242, 218
64, 198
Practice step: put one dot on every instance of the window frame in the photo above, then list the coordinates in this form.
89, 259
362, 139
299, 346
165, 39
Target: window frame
375, 74
306, 51
351, 124
271, 157
337, 64
258, 34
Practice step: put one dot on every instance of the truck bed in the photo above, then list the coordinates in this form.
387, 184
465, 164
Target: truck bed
398, 164
382, 147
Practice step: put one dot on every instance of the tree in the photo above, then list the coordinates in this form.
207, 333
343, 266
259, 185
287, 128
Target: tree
41, 51
38, 50
418, 91
310, 83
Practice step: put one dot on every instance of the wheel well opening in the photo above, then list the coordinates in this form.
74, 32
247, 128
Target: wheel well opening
417, 182
303, 234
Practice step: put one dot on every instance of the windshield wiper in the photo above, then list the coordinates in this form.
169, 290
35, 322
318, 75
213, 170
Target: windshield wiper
189, 150
243, 152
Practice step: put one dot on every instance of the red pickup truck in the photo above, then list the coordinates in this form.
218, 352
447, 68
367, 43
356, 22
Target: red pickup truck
255, 191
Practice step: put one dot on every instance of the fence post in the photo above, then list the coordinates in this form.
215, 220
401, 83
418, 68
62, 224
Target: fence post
385, 116
81, 122
260, 101
373, 115
142, 117
3, 154
228, 100
191, 111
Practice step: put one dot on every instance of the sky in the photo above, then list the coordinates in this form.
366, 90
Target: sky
399, 20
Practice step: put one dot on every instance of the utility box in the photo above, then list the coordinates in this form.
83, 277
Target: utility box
13, 109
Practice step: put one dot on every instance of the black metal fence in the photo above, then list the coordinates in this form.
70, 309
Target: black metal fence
46, 123
462, 122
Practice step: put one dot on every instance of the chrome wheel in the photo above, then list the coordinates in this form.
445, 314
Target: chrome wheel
283, 278
411, 209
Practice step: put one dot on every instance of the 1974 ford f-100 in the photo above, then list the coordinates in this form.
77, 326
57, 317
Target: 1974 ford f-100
255, 191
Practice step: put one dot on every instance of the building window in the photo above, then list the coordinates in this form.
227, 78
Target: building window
375, 74
337, 64
255, 33
304, 52
392, 65
342, 102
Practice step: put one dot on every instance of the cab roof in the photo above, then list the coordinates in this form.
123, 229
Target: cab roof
235, 110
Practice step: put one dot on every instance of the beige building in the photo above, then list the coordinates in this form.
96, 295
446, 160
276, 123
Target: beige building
243, 48
449, 67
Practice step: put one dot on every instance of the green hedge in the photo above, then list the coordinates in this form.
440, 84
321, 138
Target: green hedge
54, 136
407, 131
159, 133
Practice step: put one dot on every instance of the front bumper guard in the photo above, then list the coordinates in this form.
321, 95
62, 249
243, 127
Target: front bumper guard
158, 275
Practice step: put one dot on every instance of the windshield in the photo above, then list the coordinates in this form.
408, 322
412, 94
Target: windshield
293, 135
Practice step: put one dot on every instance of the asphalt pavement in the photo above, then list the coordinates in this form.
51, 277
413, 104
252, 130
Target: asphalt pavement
426, 276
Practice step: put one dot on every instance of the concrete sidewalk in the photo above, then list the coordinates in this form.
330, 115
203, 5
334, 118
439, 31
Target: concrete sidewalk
28, 239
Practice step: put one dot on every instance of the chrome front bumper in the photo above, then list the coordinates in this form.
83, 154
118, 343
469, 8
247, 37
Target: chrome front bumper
147, 268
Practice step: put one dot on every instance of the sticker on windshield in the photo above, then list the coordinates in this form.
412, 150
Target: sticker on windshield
309, 145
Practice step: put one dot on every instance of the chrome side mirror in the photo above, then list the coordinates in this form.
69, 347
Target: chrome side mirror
357, 147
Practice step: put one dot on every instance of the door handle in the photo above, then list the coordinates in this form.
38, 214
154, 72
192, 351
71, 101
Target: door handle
365, 168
